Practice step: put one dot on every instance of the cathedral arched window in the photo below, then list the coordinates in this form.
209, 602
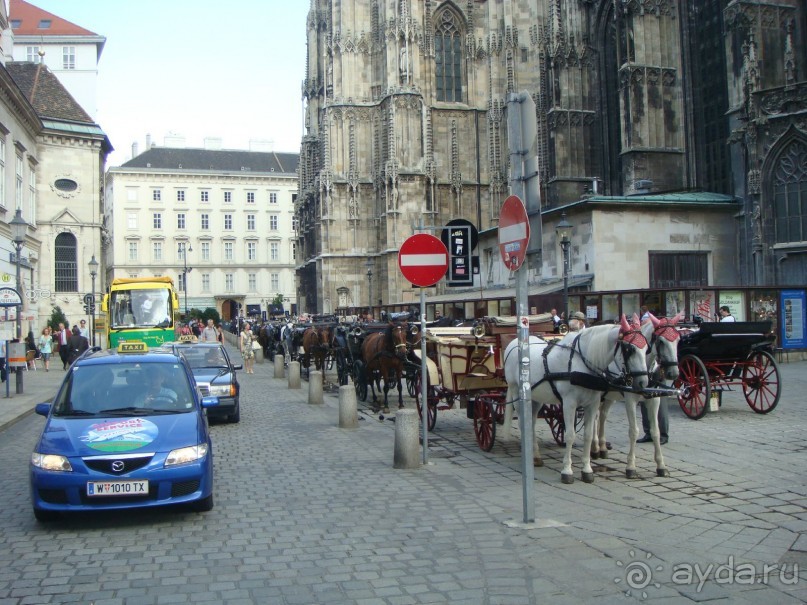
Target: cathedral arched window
448, 57
790, 194
66, 266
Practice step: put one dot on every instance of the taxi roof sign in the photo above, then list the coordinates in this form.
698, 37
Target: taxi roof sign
133, 347
188, 338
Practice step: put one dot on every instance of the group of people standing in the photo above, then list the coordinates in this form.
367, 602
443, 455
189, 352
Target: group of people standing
69, 343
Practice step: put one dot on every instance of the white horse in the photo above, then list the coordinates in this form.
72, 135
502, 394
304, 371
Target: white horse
574, 372
662, 361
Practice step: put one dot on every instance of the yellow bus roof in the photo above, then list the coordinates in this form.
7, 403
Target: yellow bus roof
128, 281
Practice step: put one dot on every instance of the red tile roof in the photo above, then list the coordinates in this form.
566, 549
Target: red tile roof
30, 17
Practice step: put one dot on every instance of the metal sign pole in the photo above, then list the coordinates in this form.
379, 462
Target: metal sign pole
521, 134
424, 377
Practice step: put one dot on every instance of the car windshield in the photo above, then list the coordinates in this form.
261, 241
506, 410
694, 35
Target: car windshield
128, 388
205, 357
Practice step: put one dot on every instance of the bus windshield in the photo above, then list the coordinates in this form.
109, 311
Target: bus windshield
140, 308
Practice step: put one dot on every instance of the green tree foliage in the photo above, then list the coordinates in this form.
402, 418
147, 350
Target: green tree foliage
57, 316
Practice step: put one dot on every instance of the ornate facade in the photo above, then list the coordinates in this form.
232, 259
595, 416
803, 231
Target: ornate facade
406, 122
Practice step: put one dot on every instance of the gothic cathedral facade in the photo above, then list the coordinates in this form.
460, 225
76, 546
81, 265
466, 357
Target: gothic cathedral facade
406, 125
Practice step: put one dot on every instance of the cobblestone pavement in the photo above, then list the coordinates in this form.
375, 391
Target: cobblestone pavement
310, 513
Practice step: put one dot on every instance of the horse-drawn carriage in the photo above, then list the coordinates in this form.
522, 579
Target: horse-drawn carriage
374, 355
717, 355
466, 365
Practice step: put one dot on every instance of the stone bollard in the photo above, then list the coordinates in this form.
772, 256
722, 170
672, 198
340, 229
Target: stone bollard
348, 411
258, 355
280, 368
315, 387
294, 375
406, 439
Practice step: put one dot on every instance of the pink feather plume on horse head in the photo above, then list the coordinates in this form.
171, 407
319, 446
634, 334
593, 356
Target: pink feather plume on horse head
676, 319
636, 322
656, 321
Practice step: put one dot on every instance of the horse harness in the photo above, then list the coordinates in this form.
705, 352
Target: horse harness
655, 376
599, 379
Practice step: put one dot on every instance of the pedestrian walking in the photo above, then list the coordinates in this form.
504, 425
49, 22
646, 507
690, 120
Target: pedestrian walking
209, 333
46, 346
82, 328
76, 344
63, 337
219, 333
245, 344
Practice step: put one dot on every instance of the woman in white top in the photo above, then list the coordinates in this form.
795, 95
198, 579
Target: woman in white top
725, 314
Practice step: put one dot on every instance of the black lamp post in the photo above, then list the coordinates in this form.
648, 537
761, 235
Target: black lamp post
93, 265
19, 231
564, 231
185, 249
370, 289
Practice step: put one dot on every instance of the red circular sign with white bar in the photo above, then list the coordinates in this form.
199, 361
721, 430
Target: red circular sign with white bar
514, 232
423, 260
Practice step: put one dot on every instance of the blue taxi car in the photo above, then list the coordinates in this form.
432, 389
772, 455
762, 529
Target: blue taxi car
126, 430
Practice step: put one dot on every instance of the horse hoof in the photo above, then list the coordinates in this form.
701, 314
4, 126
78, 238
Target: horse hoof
588, 477
631, 473
567, 479
662, 472
603, 454
595, 455
537, 462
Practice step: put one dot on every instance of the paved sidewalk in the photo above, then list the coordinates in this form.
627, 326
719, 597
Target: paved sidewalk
38, 386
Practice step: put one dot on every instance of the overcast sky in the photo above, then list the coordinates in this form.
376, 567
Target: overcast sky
196, 68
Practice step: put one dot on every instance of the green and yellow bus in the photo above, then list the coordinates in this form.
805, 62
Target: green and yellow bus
144, 309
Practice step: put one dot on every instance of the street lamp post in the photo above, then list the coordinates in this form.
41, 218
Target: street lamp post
185, 249
19, 231
563, 231
93, 265
369, 290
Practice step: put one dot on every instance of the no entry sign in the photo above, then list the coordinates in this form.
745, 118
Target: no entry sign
423, 260
514, 232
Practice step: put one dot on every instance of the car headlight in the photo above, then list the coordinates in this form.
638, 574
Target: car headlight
184, 455
222, 390
51, 462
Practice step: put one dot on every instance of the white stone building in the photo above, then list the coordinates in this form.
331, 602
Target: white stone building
232, 210
52, 155
71, 52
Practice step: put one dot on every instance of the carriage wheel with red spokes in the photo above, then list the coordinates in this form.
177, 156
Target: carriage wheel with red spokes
432, 403
761, 382
693, 380
485, 423
553, 414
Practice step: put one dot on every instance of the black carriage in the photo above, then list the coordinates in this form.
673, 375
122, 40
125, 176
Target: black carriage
715, 356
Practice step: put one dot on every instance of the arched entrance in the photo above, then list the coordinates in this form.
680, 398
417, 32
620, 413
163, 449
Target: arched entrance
229, 309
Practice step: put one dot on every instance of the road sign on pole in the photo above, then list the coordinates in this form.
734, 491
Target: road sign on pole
423, 260
514, 232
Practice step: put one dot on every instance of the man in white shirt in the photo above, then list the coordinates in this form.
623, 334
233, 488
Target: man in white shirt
62, 336
82, 328
725, 314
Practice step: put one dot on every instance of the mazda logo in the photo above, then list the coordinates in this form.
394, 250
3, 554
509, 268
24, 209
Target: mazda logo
117, 466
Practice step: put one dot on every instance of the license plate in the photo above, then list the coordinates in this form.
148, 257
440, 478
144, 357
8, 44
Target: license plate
117, 488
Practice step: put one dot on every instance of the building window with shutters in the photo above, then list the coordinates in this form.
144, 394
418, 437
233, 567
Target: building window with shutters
678, 269
65, 269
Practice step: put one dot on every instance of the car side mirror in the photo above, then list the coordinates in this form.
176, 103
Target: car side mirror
240, 366
43, 409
